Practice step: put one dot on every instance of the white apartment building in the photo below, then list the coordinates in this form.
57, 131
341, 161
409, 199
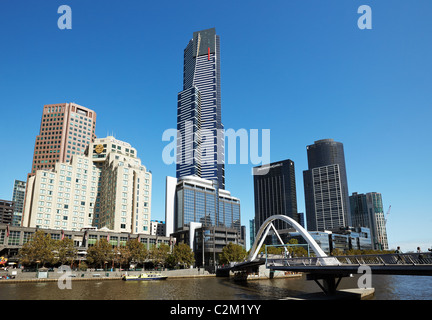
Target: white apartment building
106, 187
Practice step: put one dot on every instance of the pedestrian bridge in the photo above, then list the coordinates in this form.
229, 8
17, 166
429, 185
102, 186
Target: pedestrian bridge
328, 268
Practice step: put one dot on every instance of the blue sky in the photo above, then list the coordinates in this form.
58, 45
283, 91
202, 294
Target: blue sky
302, 69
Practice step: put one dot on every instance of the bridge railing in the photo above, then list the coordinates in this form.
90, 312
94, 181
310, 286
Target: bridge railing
372, 259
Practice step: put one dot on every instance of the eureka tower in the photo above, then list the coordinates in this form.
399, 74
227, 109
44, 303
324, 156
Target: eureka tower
200, 142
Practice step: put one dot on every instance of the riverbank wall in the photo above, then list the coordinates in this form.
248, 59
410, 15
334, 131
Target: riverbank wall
18, 276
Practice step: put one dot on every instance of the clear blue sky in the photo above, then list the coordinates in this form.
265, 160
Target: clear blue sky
302, 69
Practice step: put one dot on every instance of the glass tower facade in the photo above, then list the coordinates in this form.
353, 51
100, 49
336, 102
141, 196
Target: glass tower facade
200, 143
18, 197
367, 211
199, 201
275, 193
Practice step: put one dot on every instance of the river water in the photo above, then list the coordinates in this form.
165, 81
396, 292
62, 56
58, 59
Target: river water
387, 287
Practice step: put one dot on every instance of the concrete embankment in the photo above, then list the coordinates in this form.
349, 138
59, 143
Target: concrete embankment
18, 276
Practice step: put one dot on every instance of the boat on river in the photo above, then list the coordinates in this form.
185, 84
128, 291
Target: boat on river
144, 277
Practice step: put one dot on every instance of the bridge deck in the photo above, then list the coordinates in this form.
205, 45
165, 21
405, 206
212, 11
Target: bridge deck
402, 264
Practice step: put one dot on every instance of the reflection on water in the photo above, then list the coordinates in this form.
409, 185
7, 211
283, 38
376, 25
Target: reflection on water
386, 288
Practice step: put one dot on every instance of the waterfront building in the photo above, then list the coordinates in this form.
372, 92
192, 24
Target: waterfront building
343, 239
106, 187
197, 209
367, 211
200, 145
326, 186
198, 200
12, 238
275, 193
18, 197
66, 130
7, 209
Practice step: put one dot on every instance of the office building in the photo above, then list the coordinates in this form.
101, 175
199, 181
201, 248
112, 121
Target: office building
275, 193
157, 228
198, 200
203, 216
367, 211
326, 186
18, 197
252, 232
107, 187
7, 209
66, 129
338, 240
200, 144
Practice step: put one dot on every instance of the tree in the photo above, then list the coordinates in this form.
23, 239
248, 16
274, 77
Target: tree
159, 254
66, 252
183, 255
121, 255
100, 253
38, 250
138, 251
296, 251
232, 253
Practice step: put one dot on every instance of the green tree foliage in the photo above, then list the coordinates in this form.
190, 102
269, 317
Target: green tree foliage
182, 256
66, 252
100, 253
39, 250
159, 254
138, 251
232, 253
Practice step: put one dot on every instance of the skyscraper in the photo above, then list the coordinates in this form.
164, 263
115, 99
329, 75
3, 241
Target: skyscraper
326, 186
367, 211
275, 193
198, 209
18, 197
66, 129
200, 145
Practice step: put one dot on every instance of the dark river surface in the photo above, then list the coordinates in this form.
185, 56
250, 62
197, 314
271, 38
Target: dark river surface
387, 287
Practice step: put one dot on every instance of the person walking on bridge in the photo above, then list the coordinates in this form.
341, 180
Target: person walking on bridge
420, 256
399, 258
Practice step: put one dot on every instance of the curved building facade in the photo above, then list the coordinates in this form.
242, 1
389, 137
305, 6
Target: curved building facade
326, 186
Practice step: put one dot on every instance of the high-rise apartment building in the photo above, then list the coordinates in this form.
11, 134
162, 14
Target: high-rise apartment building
275, 193
66, 129
200, 144
7, 209
326, 186
367, 211
105, 187
124, 203
18, 197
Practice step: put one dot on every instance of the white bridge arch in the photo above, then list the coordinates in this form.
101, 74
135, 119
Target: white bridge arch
267, 225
